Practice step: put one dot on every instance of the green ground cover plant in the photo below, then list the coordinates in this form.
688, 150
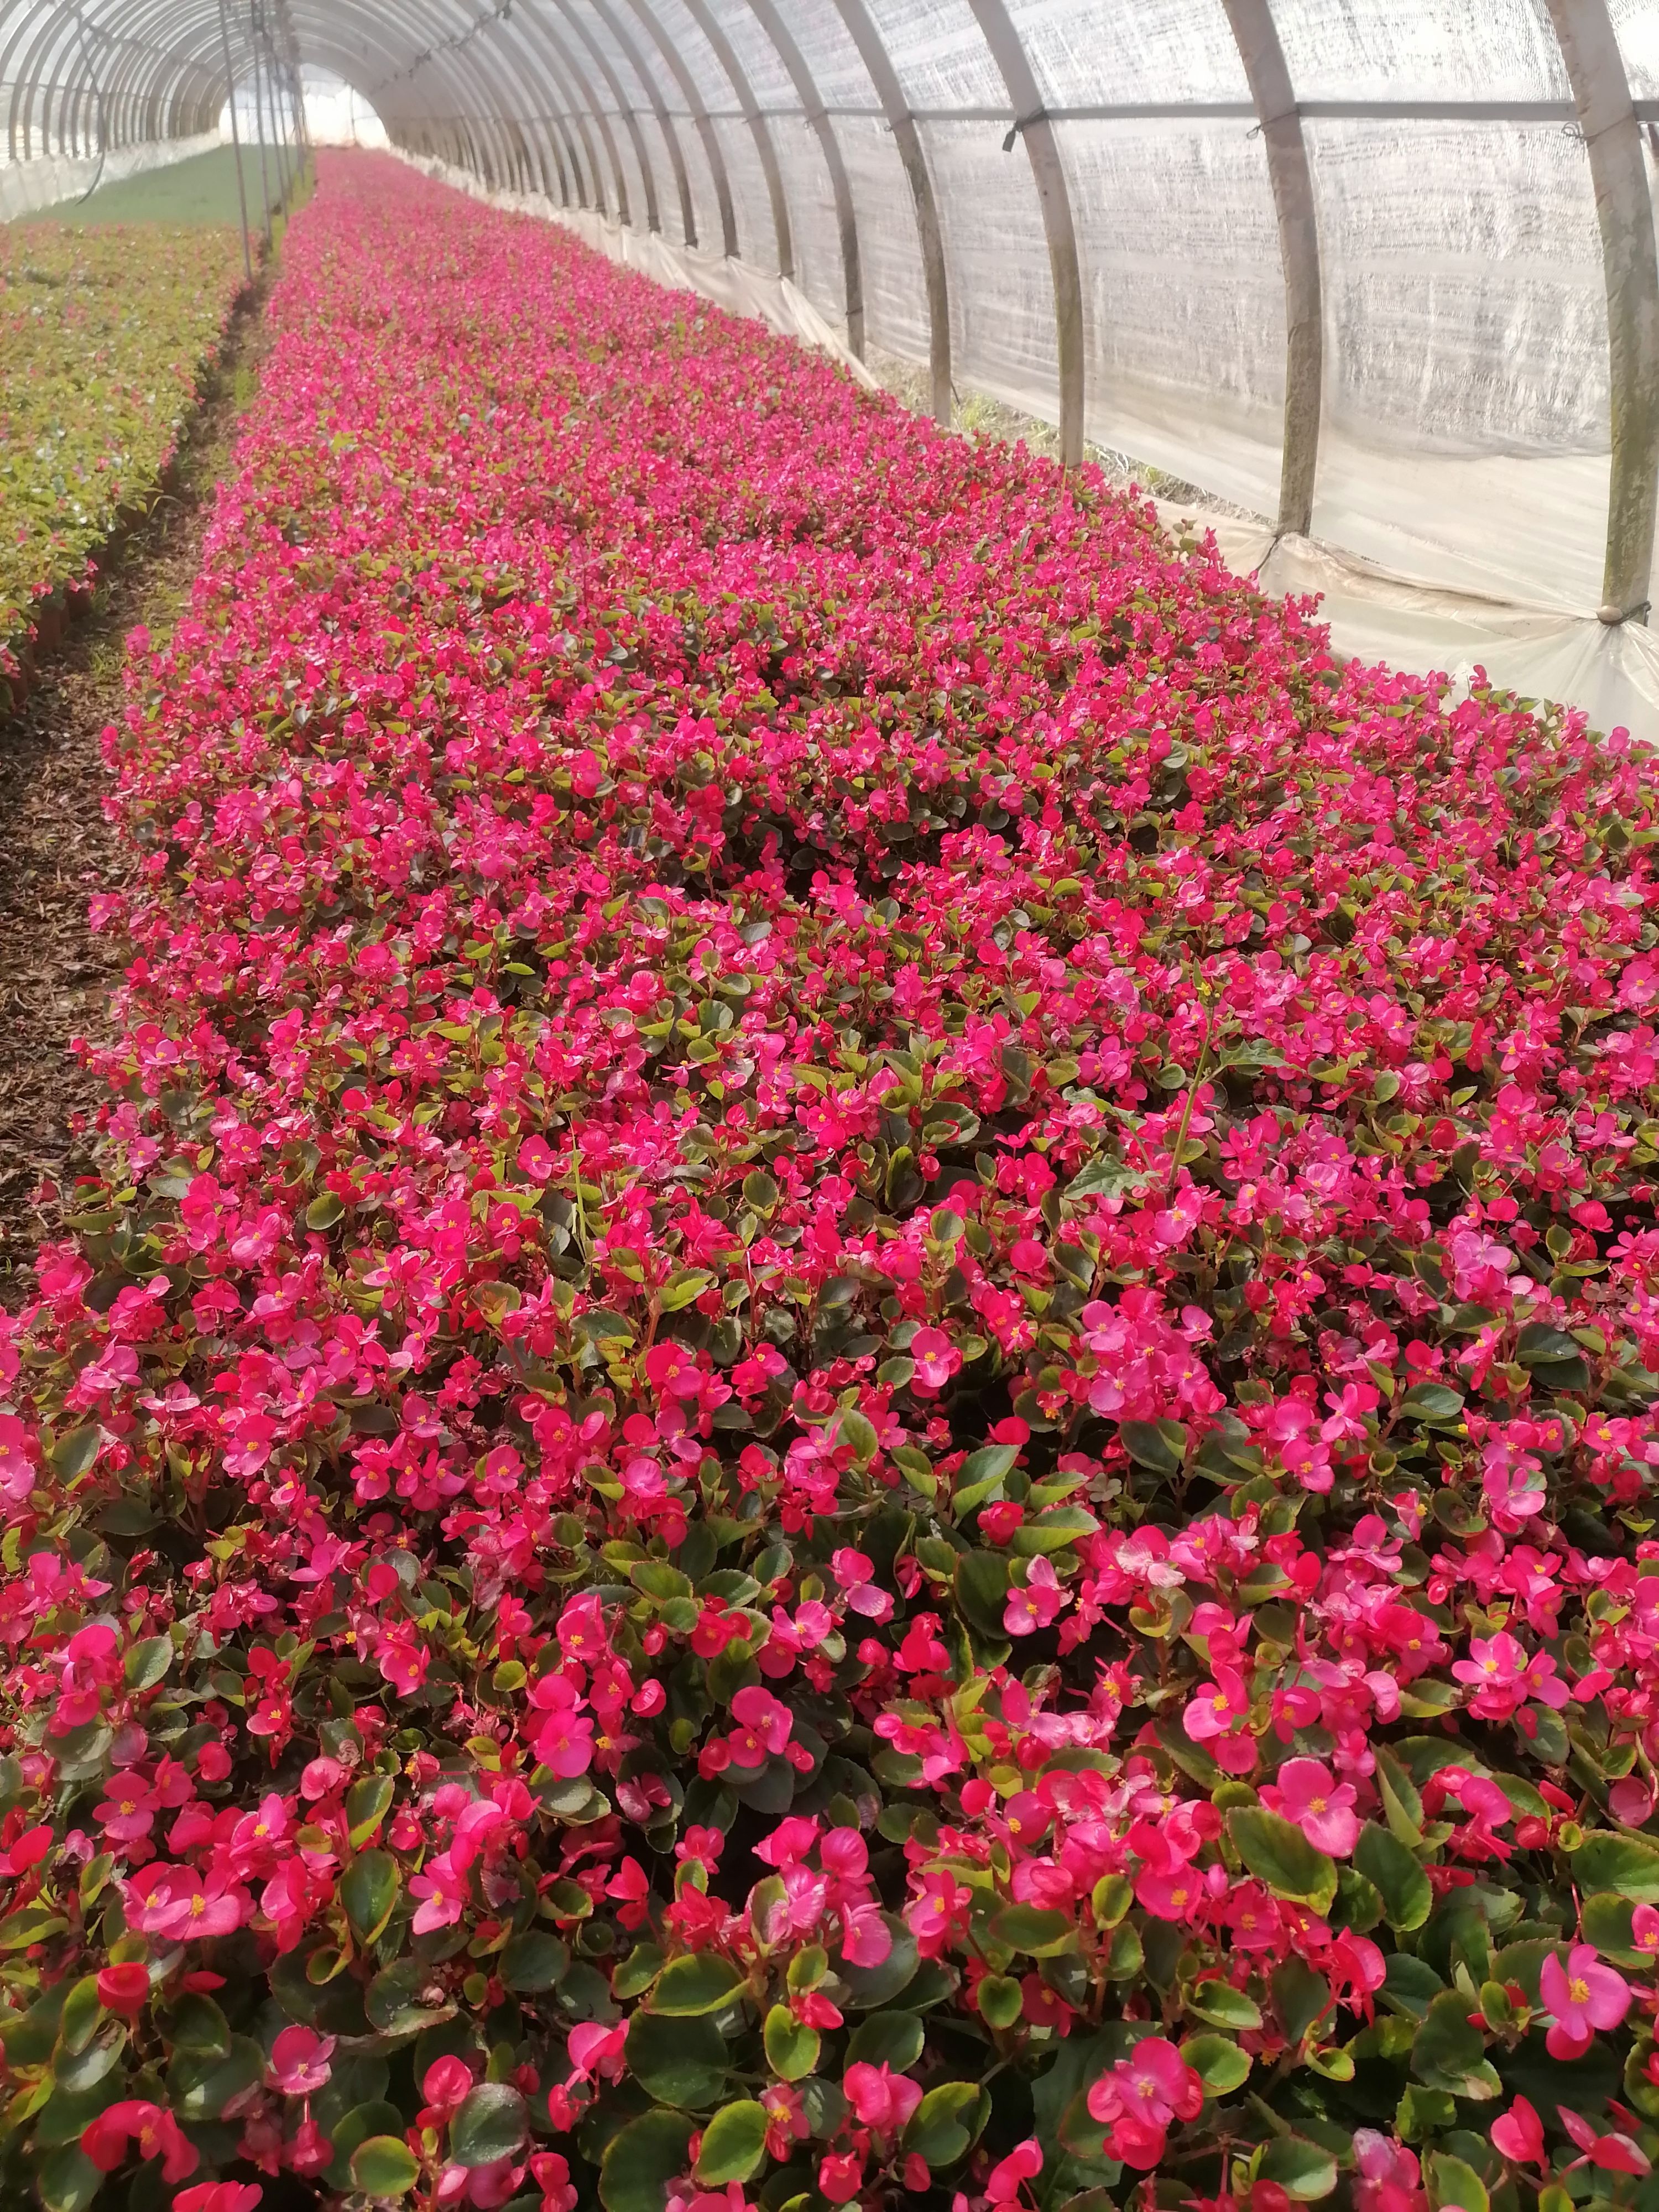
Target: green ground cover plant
105, 336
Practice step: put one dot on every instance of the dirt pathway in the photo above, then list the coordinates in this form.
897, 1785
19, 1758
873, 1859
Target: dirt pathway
56, 848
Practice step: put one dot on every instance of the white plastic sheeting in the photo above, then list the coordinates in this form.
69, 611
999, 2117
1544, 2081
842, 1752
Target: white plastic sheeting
26, 187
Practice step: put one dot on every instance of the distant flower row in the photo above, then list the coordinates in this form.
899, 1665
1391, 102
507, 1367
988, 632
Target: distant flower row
858, 1407
104, 337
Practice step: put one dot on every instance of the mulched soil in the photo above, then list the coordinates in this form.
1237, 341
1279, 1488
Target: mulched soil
56, 848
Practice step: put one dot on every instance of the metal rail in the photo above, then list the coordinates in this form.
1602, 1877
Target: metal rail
1624, 209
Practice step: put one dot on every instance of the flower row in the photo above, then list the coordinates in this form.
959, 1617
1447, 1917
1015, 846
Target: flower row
857, 1407
105, 335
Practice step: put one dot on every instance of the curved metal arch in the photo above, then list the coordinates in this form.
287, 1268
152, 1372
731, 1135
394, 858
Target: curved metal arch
546, 139
1267, 74
852, 267
469, 67
82, 80
551, 85
144, 87
68, 51
1624, 209
712, 151
759, 129
129, 90
562, 115
475, 81
89, 86
624, 109
51, 31
56, 34
665, 122
472, 65
148, 78
930, 239
1054, 200
583, 107
41, 26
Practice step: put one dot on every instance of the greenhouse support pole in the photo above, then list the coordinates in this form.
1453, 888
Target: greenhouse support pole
765, 152
1256, 36
713, 152
930, 239
666, 124
278, 127
519, 67
584, 107
235, 141
260, 125
629, 119
1031, 123
846, 221
1624, 209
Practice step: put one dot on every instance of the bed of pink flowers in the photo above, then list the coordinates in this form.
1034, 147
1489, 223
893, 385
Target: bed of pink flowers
857, 1411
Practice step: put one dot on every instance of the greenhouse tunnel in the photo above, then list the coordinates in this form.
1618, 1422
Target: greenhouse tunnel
1368, 286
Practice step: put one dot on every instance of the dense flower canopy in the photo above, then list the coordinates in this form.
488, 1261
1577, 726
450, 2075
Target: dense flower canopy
857, 1409
104, 335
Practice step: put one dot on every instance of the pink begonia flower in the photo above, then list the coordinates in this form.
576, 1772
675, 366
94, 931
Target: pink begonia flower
936, 1360
1644, 1929
1584, 1995
219, 2197
444, 1889
403, 1661
866, 1938
484, 2187
1306, 1791
175, 1902
882, 2100
854, 1570
1612, 2153
551, 2175
536, 1159
1140, 2097
763, 1726
153, 2131
1514, 1486
596, 2053
17, 1470
124, 1991
1630, 1802
1024, 2163
562, 1737
447, 2083
129, 1811
1519, 2133
1037, 1603
840, 2176
300, 2061
1387, 2175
